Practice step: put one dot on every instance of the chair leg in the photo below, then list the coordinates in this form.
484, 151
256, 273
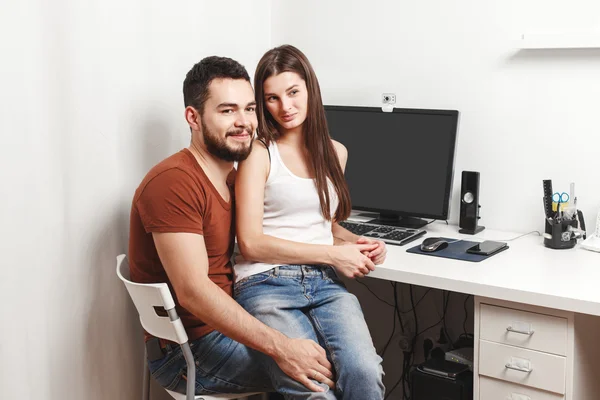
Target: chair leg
191, 371
146, 379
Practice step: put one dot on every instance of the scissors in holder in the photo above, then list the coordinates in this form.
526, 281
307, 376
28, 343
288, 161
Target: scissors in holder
560, 198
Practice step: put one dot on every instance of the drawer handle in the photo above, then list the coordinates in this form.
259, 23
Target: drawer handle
510, 366
517, 396
529, 332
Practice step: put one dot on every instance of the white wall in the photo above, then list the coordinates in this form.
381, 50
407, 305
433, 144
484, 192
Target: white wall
91, 99
525, 115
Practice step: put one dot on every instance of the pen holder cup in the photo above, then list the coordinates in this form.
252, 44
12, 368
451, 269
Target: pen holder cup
561, 238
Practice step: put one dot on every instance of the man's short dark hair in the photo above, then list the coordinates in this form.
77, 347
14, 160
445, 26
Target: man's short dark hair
197, 80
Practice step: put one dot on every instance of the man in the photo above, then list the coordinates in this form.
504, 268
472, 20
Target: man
182, 233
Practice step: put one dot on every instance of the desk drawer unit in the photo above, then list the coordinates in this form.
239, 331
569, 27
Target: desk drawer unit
529, 330
525, 367
531, 352
492, 389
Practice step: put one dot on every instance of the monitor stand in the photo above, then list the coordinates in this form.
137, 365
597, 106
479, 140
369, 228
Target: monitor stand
396, 220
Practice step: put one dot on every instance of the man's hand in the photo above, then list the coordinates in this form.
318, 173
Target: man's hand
378, 254
304, 360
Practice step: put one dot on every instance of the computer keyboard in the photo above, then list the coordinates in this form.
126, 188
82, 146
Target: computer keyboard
389, 234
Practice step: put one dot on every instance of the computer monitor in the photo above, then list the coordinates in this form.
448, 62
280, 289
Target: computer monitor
400, 163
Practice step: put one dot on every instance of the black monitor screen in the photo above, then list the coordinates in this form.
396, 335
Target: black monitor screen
399, 162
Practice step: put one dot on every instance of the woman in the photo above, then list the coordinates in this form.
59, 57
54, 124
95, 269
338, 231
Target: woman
290, 194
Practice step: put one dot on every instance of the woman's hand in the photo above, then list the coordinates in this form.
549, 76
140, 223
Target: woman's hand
379, 253
349, 259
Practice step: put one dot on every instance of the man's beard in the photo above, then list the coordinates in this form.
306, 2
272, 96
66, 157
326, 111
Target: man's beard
218, 147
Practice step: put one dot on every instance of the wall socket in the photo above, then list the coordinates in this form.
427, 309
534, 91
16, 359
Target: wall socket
388, 98
404, 339
405, 342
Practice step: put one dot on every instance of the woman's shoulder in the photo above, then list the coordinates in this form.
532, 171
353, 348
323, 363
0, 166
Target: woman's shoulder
341, 150
258, 158
259, 150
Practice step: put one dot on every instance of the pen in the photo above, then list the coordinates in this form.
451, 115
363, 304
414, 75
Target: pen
572, 195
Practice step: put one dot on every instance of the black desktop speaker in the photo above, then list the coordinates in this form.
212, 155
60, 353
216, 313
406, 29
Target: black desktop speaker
469, 203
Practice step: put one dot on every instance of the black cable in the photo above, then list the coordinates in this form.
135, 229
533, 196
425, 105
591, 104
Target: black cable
391, 335
432, 326
374, 294
418, 302
414, 343
402, 379
408, 355
446, 222
446, 298
408, 360
466, 315
414, 309
397, 307
396, 314
405, 360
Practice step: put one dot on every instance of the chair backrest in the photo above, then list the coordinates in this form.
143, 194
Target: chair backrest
146, 296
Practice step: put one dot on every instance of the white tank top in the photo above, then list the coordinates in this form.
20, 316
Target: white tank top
292, 211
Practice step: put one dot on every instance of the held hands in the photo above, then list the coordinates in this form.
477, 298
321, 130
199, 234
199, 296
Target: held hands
352, 261
378, 255
348, 262
305, 361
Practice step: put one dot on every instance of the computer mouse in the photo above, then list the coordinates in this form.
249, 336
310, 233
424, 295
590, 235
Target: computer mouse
432, 244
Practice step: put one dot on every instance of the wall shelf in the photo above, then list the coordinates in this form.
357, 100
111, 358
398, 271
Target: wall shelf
560, 41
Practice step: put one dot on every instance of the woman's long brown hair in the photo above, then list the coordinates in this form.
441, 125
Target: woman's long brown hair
322, 159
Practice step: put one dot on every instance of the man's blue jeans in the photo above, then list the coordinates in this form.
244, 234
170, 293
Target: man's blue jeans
222, 366
311, 302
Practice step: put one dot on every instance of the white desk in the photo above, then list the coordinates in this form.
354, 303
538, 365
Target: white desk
528, 282
526, 273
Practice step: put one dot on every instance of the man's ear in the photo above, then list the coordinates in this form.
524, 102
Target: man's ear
192, 116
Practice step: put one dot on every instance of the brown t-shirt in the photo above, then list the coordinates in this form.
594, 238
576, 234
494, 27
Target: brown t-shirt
177, 196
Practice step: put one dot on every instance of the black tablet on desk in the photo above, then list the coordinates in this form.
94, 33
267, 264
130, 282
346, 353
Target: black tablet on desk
487, 248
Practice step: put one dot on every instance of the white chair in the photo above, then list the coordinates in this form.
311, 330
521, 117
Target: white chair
146, 297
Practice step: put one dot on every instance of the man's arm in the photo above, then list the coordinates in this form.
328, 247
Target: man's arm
185, 260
